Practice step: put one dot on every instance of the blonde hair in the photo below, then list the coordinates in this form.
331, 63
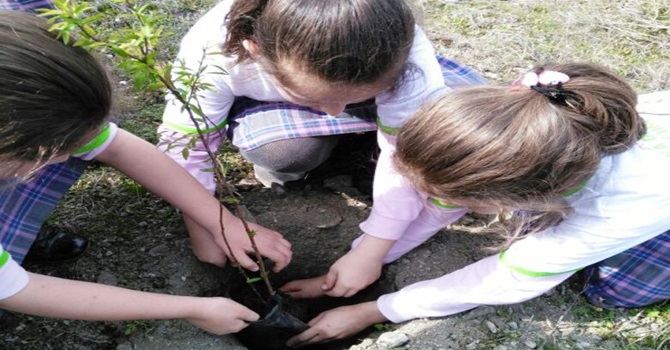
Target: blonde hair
517, 148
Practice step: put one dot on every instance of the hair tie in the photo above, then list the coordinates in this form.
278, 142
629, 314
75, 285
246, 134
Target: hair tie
549, 83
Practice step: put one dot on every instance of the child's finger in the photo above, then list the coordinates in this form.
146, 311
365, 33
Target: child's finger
249, 316
281, 258
302, 338
330, 281
293, 286
246, 262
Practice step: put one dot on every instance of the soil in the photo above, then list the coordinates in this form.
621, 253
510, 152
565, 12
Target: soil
138, 241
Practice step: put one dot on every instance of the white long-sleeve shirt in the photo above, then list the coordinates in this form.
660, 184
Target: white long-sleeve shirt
626, 203
390, 216
13, 278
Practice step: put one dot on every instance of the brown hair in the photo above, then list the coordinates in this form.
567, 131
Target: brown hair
340, 41
52, 95
515, 147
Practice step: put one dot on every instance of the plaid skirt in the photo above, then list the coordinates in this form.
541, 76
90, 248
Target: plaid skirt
636, 277
25, 206
25, 5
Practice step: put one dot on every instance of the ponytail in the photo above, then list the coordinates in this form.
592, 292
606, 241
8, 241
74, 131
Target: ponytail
523, 148
603, 103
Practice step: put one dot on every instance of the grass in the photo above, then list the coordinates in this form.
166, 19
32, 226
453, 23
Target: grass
499, 39
503, 38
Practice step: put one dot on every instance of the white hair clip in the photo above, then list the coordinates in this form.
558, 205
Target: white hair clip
549, 83
546, 78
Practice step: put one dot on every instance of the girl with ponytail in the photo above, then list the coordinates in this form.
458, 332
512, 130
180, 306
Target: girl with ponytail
572, 159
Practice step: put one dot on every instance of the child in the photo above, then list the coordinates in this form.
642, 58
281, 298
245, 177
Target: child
299, 75
47, 138
566, 147
54, 103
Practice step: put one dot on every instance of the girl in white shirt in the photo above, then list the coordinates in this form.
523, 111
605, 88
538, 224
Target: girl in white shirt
298, 75
565, 155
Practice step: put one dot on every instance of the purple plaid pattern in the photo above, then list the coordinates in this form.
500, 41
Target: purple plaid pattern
25, 5
636, 277
253, 123
283, 120
25, 206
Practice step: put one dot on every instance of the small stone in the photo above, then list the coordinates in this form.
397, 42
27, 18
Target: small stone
327, 218
530, 344
471, 346
108, 278
500, 347
492, 327
159, 251
512, 326
478, 312
393, 339
278, 189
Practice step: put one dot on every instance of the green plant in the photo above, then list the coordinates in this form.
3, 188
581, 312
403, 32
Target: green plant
134, 41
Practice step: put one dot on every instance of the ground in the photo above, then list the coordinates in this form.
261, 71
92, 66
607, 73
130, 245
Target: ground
138, 241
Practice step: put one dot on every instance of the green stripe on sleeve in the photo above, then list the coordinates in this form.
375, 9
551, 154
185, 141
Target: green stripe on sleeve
386, 129
4, 257
443, 205
192, 130
530, 273
96, 142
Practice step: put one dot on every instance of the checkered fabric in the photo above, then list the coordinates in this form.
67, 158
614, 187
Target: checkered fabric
25, 206
637, 277
25, 5
253, 123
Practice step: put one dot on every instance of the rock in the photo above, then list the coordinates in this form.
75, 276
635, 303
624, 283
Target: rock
530, 344
478, 312
108, 278
491, 326
327, 218
393, 339
159, 251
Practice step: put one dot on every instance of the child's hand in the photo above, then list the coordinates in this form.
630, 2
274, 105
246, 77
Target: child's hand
271, 244
221, 316
307, 288
351, 273
203, 244
338, 323
212, 249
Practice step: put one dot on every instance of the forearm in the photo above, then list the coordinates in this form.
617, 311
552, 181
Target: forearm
375, 249
486, 282
60, 298
165, 178
396, 203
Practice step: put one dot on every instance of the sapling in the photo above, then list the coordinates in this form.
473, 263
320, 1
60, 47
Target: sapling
134, 41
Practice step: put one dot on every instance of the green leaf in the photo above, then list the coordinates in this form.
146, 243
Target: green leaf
254, 280
119, 52
185, 153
